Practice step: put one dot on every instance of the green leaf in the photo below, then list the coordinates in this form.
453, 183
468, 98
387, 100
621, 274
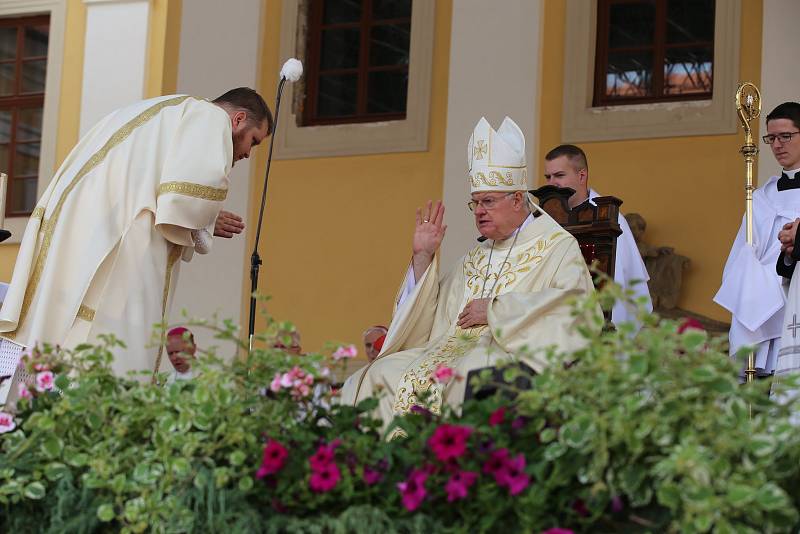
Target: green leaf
55, 470
105, 513
62, 382
669, 495
547, 435
554, 451
237, 458
52, 446
740, 494
181, 467
77, 460
246, 483
762, 445
34, 490
578, 432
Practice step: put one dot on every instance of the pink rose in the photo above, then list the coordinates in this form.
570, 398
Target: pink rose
44, 381
7, 423
344, 353
443, 374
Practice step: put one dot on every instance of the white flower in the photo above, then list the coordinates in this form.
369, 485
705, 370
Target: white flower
7, 423
350, 351
292, 70
44, 381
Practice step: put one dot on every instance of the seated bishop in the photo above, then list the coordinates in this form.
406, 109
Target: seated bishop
509, 296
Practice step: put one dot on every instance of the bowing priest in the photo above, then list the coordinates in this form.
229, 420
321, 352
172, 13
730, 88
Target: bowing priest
751, 288
567, 166
508, 296
139, 193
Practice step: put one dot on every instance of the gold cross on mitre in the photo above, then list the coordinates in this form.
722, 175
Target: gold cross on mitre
480, 149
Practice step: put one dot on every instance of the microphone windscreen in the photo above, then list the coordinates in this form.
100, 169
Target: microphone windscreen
482, 238
292, 70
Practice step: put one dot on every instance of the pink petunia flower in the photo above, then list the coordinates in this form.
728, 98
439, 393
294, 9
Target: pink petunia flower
274, 459
413, 489
44, 381
371, 476
458, 485
449, 441
276, 385
443, 374
497, 416
324, 455
345, 352
495, 462
23, 392
7, 423
324, 478
557, 530
512, 475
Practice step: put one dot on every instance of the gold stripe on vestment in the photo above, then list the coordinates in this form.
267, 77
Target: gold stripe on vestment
48, 225
174, 255
38, 213
204, 192
85, 313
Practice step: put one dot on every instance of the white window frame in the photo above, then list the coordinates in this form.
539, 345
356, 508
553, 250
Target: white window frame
408, 135
581, 122
52, 93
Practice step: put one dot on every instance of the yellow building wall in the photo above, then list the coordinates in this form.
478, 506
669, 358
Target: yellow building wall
690, 190
69, 108
336, 239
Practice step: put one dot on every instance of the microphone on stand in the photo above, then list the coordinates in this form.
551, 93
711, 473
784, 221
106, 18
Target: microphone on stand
291, 71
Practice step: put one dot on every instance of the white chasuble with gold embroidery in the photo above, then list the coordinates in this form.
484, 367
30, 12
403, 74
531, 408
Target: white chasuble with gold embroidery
530, 285
100, 253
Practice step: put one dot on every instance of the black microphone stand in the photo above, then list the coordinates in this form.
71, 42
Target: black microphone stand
255, 259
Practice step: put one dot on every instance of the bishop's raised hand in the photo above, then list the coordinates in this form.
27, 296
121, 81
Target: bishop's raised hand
428, 235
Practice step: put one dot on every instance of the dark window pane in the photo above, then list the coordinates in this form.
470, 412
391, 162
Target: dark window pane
7, 71
387, 92
33, 76
26, 159
338, 11
4, 158
690, 21
389, 44
337, 95
29, 124
36, 40
5, 128
391, 9
22, 195
629, 74
340, 49
632, 24
688, 70
8, 43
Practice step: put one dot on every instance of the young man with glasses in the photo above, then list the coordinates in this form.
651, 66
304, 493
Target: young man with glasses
567, 166
509, 296
751, 289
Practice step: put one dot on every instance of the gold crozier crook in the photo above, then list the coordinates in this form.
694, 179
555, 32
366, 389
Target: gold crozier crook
748, 106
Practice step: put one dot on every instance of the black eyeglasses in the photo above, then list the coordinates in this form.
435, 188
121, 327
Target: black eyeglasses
785, 137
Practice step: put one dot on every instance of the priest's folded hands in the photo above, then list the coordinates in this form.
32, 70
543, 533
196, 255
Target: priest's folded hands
786, 236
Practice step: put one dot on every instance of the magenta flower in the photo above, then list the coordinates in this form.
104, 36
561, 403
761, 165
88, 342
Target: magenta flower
413, 489
7, 423
371, 476
274, 459
512, 475
557, 530
345, 353
44, 381
497, 416
458, 485
497, 461
323, 456
443, 374
449, 441
324, 477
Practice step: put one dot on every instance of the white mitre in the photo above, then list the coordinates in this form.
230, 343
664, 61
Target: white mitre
496, 159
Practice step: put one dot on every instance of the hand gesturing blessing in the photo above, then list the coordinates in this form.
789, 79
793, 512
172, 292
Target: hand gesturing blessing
428, 235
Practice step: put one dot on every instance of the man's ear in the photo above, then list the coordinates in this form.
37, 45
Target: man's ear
238, 118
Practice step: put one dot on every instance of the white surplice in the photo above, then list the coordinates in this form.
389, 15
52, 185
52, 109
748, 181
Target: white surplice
101, 251
629, 271
751, 288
